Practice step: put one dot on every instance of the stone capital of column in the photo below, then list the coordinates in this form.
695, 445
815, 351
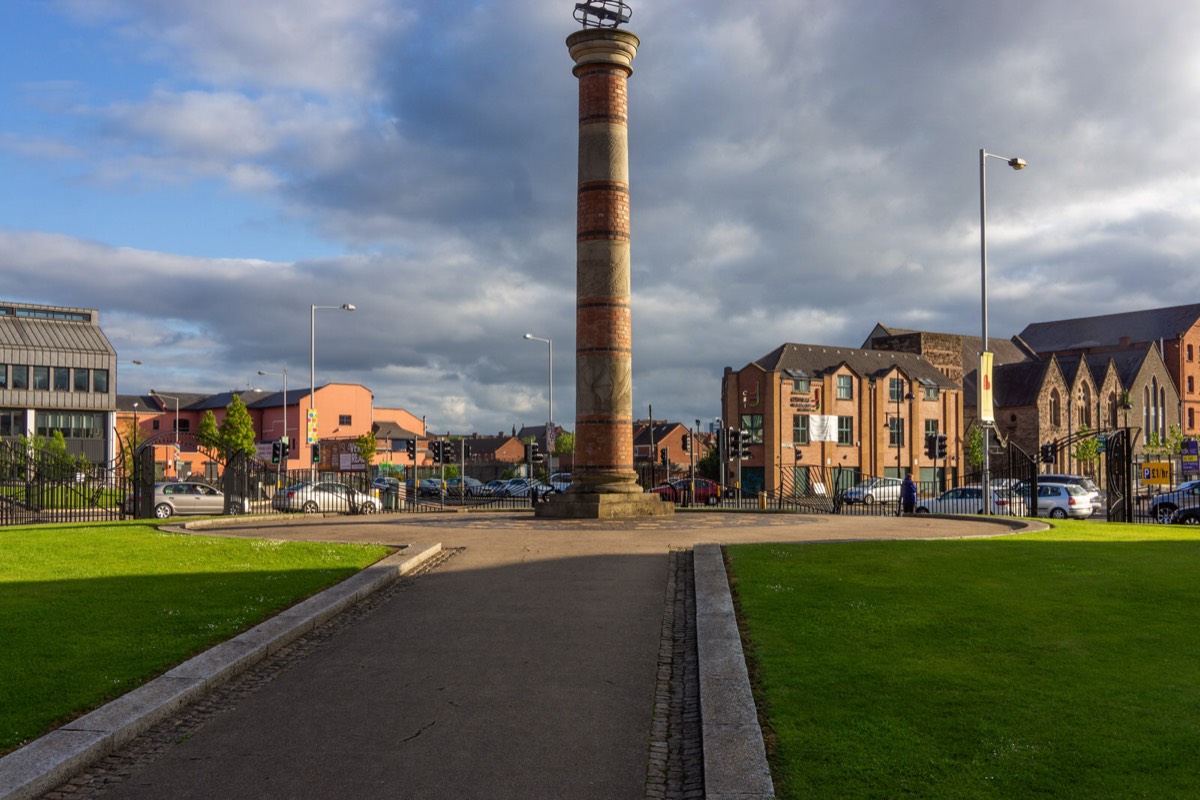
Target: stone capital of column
603, 46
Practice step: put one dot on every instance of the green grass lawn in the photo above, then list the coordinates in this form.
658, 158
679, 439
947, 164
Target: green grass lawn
1064, 663
90, 612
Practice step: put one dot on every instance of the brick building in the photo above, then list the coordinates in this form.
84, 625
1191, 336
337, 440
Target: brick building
810, 409
1175, 331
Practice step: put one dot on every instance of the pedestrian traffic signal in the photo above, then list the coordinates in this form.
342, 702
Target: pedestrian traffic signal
941, 446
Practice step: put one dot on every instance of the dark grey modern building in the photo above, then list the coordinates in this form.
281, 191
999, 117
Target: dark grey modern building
57, 372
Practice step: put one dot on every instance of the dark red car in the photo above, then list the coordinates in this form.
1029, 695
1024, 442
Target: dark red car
673, 491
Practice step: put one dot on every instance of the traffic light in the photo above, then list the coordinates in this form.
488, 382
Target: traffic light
744, 442
1049, 452
410, 447
534, 456
734, 446
931, 444
941, 446
316, 453
662, 457
276, 451
686, 443
466, 451
435, 447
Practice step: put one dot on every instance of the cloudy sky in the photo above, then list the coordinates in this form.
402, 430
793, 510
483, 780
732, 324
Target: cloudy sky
203, 171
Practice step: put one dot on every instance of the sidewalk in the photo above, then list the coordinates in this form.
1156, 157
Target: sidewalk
523, 667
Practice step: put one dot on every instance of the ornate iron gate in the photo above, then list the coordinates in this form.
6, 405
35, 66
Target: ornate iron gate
39, 485
1119, 475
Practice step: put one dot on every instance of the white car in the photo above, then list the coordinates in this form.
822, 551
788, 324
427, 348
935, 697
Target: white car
969, 500
316, 498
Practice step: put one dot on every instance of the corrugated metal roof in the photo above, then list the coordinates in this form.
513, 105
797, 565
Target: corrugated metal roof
49, 334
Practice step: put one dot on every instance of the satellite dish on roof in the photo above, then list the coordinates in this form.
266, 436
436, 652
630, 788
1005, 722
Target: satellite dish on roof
602, 13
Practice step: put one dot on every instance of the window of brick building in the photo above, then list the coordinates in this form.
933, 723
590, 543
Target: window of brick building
845, 387
800, 428
845, 430
753, 425
344, 419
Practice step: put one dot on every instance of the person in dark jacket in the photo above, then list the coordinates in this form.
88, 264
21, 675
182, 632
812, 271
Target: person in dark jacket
908, 494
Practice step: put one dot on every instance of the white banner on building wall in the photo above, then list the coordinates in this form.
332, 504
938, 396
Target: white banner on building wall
822, 428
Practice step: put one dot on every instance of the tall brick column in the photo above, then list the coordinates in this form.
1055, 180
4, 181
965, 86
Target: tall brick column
604, 481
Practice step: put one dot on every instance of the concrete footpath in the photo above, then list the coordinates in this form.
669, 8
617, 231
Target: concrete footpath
522, 667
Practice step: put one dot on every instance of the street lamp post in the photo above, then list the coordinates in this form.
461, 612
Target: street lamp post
986, 416
550, 412
313, 438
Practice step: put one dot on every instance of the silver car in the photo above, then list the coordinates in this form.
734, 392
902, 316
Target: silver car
175, 499
1062, 500
969, 500
317, 498
874, 490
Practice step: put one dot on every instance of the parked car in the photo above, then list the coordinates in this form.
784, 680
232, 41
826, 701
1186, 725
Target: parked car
673, 491
874, 490
466, 485
969, 500
1184, 496
493, 488
524, 487
426, 487
1186, 516
1079, 480
173, 499
561, 481
385, 484
315, 498
1059, 500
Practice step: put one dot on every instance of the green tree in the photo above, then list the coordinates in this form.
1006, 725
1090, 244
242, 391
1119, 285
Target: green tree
207, 432
973, 447
236, 432
564, 444
710, 465
366, 447
1087, 450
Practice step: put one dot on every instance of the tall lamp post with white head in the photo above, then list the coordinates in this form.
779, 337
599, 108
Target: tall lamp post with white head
550, 414
986, 415
312, 371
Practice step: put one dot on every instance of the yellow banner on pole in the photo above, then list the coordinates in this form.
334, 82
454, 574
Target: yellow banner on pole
986, 411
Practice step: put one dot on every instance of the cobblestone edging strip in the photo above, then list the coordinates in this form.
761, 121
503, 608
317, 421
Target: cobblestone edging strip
735, 758
46, 762
675, 770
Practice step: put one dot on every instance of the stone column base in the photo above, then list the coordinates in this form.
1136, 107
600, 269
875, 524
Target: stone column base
593, 505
